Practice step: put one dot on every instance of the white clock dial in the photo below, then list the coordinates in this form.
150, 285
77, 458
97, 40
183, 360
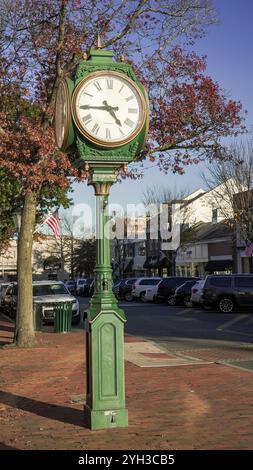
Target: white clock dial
108, 108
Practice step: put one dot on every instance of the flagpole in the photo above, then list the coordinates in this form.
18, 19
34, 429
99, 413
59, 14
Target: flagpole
43, 223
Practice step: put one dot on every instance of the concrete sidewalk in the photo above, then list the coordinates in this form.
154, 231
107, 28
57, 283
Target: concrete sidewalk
173, 402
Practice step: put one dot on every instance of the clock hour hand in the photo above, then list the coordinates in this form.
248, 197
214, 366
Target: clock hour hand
110, 110
104, 108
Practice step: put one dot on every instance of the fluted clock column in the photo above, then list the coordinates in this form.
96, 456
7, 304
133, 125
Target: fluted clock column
105, 404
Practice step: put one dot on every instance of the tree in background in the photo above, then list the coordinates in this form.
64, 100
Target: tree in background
232, 182
10, 202
65, 246
42, 42
85, 258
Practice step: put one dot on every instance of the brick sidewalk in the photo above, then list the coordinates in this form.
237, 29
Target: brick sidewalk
194, 406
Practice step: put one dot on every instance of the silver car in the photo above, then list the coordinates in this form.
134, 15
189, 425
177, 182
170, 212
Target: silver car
196, 292
46, 296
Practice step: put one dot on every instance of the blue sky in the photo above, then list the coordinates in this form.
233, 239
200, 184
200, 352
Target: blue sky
228, 47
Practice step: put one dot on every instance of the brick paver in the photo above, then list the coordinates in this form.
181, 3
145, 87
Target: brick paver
200, 406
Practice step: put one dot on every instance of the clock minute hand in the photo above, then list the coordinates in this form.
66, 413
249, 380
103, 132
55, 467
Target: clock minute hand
110, 110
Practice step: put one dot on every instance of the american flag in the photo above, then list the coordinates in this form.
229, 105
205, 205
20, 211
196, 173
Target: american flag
53, 222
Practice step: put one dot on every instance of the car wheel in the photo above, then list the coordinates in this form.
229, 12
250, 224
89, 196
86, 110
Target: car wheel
129, 296
142, 297
187, 301
171, 300
226, 305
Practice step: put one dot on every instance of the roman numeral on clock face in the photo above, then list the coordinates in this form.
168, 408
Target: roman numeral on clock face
109, 84
129, 123
108, 133
95, 128
133, 110
86, 119
131, 97
97, 85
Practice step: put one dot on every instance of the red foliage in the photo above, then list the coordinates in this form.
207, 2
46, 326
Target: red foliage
189, 112
27, 152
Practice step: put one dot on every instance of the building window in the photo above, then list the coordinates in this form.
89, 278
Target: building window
141, 249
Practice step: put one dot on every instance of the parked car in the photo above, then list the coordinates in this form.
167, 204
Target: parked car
83, 286
79, 286
167, 287
151, 293
196, 293
227, 292
71, 286
142, 284
183, 293
3, 287
46, 293
9, 300
123, 289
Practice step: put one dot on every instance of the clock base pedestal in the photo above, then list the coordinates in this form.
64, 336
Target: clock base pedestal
104, 325
105, 419
105, 400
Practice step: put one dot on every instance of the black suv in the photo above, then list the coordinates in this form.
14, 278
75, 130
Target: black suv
226, 292
183, 293
167, 287
123, 289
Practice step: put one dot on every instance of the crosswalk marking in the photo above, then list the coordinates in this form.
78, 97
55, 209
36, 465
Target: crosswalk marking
231, 322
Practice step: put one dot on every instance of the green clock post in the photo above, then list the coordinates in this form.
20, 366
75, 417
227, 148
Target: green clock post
103, 113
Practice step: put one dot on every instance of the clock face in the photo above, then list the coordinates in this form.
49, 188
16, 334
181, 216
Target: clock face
62, 110
108, 108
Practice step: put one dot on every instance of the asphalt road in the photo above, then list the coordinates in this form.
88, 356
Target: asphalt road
223, 337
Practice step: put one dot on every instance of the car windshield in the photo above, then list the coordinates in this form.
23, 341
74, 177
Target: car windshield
49, 289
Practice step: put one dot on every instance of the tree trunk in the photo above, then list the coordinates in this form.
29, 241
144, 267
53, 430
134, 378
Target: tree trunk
24, 334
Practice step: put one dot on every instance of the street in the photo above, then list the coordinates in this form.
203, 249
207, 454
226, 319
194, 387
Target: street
225, 338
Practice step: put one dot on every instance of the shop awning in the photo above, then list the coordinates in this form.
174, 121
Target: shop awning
219, 265
152, 262
155, 262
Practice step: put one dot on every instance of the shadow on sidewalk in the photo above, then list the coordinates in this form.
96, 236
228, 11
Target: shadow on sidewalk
4, 342
60, 413
6, 447
7, 328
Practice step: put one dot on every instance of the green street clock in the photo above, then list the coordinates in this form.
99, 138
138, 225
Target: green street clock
104, 111
101, 119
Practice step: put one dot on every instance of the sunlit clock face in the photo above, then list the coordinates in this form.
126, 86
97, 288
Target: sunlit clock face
62, 110
108, 108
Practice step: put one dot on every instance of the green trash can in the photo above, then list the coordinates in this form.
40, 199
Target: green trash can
63, 317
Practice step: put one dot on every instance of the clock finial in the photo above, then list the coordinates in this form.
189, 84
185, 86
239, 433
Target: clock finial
99, 45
